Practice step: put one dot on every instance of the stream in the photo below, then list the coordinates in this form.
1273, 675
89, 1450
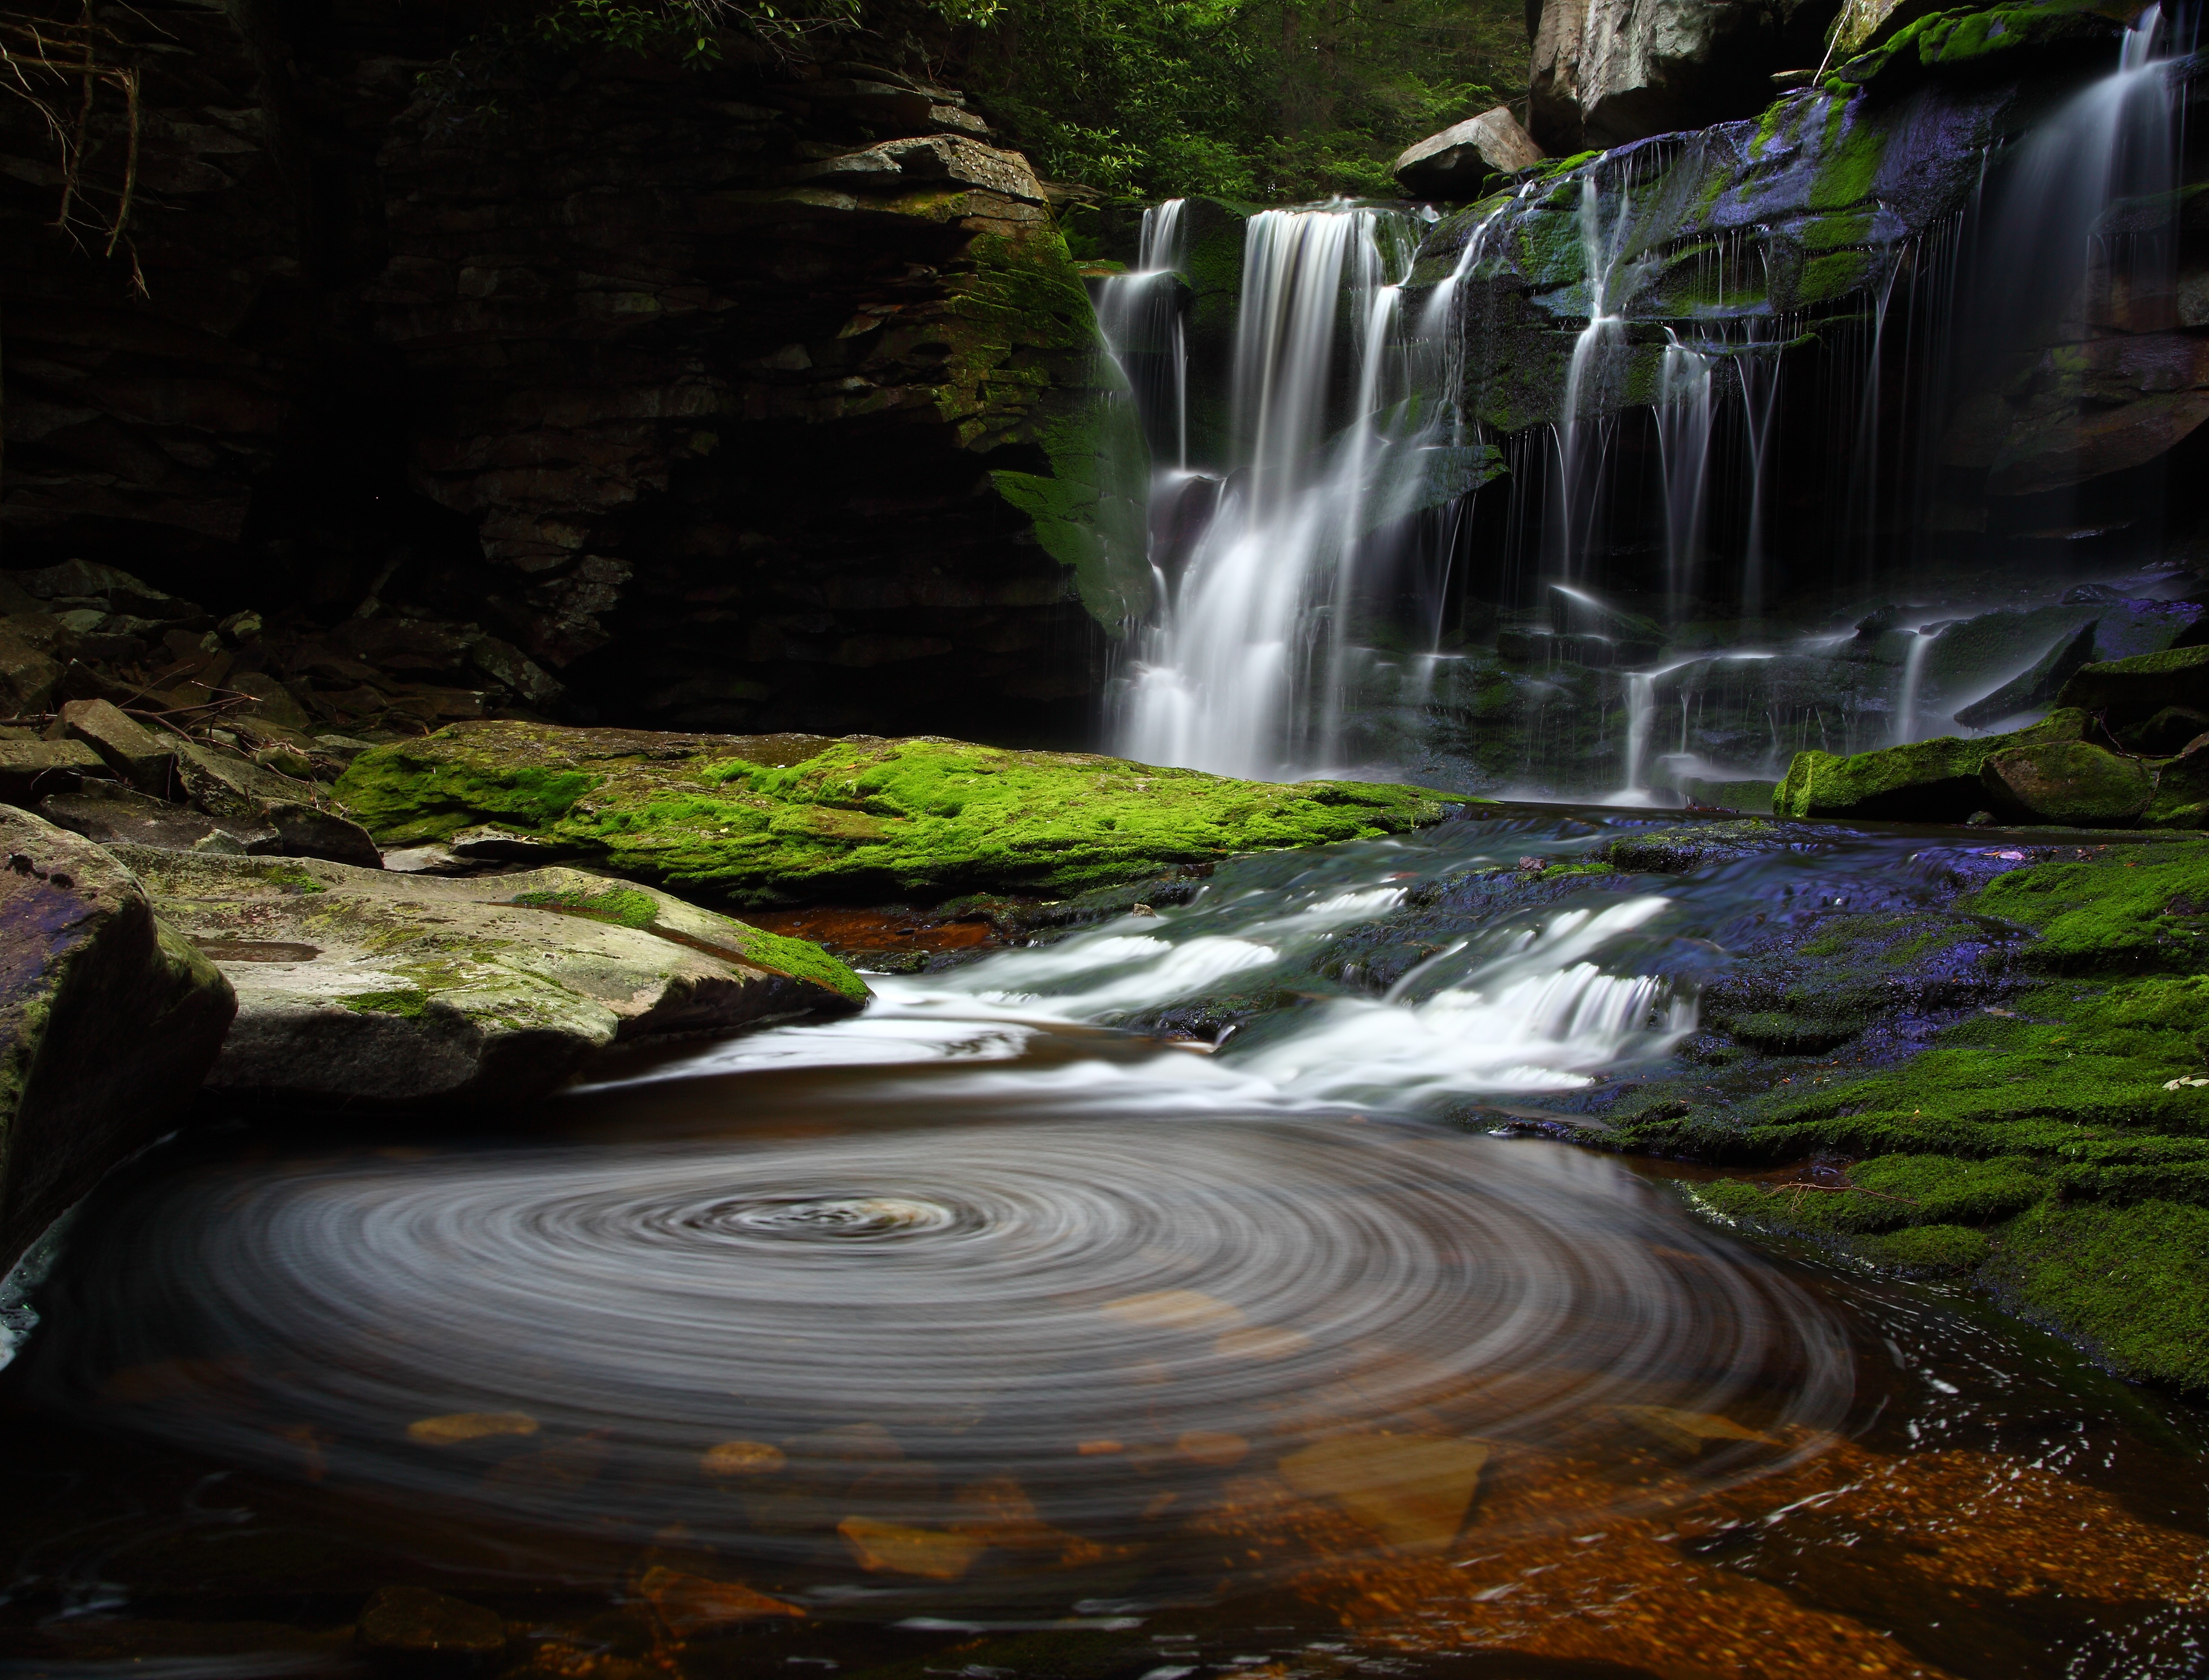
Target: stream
1015, 1327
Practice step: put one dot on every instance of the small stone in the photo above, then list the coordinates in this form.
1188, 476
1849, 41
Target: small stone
412, 1621
241, 627
137, 755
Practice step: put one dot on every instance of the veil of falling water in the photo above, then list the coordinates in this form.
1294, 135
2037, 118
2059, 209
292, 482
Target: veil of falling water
1242, 673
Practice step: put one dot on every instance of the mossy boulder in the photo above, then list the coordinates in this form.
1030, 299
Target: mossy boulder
2123, 692
367, 986
1938, 780
2072, 782
794, 819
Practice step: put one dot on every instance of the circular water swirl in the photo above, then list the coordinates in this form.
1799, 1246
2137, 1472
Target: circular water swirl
1023, 1346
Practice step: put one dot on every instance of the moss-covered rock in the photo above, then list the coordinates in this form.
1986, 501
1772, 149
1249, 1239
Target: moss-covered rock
1964, 37
2131, 692
1938, 780
364, 985
791, 819
2056, 1141
2073, 782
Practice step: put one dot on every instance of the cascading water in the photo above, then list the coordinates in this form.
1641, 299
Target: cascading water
1139, 313
1685, 416
1243, 674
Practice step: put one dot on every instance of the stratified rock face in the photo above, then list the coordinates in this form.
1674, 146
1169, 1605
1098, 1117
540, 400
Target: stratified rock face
108, 1022
797, 819
1609, 71
354, 984
1460, 161
757, 395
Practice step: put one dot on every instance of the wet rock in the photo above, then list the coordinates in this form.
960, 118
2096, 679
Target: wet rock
414, 1623
361, 985
1460, 162
1698, 846
108, 1022
2122, 692
2071, 782
110, 813
762, 820
133, 751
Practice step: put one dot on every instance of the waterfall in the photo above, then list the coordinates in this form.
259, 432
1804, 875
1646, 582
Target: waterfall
2047, 269
1243, 673
1139, 313
1684, 417
1640, 718
1906, 705
1605, 223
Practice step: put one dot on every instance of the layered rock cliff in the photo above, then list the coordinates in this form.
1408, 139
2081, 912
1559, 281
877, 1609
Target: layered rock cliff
757, 395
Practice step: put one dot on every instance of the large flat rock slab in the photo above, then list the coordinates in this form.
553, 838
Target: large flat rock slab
764, 820
362, 985
108, 1021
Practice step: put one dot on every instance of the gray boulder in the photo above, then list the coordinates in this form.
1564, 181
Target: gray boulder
1463, 160
109, 1021
1609, 71
370, 986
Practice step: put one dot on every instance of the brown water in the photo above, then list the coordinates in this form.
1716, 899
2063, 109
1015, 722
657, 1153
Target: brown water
969, 1339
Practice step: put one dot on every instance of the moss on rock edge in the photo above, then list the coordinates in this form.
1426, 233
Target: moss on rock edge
793, 819
2058, 1145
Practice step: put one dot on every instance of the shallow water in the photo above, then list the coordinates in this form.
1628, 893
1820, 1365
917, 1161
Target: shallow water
982, 1334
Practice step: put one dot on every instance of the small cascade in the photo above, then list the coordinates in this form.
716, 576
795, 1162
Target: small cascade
1640, 718
1685, 416
1758, 367
1594, 372
1139, 313
1244, 674
1914, 673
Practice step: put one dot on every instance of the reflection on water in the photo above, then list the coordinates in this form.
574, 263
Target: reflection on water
975, 1336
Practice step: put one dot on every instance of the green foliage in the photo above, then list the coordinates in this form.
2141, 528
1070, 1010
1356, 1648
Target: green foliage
691, 29
1253, 100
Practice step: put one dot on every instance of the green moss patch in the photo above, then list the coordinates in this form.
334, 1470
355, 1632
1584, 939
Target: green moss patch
2057, 1141
795, 820
623, 906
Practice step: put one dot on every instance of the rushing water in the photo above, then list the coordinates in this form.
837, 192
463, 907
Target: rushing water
1028, 1323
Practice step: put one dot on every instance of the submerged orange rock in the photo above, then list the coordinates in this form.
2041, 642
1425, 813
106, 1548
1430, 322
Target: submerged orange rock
453, 1427
894, 1549
689, 1604
1413, 1490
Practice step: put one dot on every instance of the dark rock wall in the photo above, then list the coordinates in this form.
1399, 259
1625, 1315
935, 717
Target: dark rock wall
759, 396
